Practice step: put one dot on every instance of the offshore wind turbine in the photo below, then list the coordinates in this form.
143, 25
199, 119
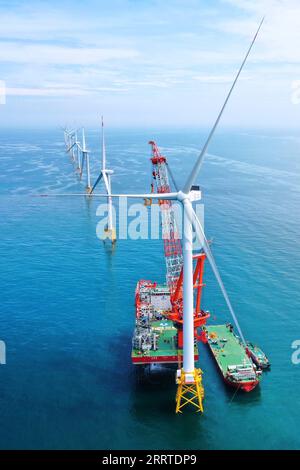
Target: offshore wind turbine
189, 378
74, 147
106, 175
67, 138
71, 142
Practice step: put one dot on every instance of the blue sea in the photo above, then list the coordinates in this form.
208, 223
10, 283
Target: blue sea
67, 300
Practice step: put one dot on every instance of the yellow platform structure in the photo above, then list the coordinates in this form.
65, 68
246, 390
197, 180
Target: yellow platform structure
190, 390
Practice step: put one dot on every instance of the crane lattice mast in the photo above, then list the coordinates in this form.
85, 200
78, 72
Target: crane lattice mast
170, 234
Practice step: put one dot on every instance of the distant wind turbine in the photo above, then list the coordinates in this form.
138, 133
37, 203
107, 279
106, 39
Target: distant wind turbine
106, 175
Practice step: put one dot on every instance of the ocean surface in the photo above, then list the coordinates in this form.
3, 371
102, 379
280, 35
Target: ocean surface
67, 300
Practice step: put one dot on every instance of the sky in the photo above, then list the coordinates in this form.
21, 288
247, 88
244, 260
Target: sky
148, 62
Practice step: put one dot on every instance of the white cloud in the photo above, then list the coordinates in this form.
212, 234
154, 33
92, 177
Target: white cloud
151, 52
59, 91
279, 39
43, 22
2, 92
12, 91
219, 78
60, 55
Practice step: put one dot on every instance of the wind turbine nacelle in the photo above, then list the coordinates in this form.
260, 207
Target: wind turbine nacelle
109, 172
195, 193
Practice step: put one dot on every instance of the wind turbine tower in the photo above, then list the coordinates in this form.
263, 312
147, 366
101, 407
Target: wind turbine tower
86, 160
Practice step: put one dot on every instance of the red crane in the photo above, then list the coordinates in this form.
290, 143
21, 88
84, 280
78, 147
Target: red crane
173, 250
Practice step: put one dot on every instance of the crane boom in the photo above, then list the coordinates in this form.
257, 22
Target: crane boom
170, 235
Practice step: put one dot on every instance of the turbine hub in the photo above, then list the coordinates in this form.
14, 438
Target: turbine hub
181, 196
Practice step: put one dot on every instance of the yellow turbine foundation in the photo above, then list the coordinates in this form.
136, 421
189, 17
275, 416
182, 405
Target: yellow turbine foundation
190, 390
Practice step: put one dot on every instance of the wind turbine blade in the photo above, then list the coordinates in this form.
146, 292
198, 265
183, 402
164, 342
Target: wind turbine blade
195, 171
164, 196
60, 195
206, 248
103, 146
96, 182
71, 132
172, 176
70, 148
83, 140
106, 183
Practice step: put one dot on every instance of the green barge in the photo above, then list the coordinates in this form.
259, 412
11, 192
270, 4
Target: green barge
231, 356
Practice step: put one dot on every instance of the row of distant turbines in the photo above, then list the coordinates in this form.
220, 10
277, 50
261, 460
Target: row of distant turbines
80, 156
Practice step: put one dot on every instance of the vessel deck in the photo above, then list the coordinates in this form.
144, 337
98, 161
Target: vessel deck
227, 353
167, 350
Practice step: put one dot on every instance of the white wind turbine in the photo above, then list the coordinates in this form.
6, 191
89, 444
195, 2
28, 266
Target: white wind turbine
71, 142
73, 146
190, 375
106, 175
